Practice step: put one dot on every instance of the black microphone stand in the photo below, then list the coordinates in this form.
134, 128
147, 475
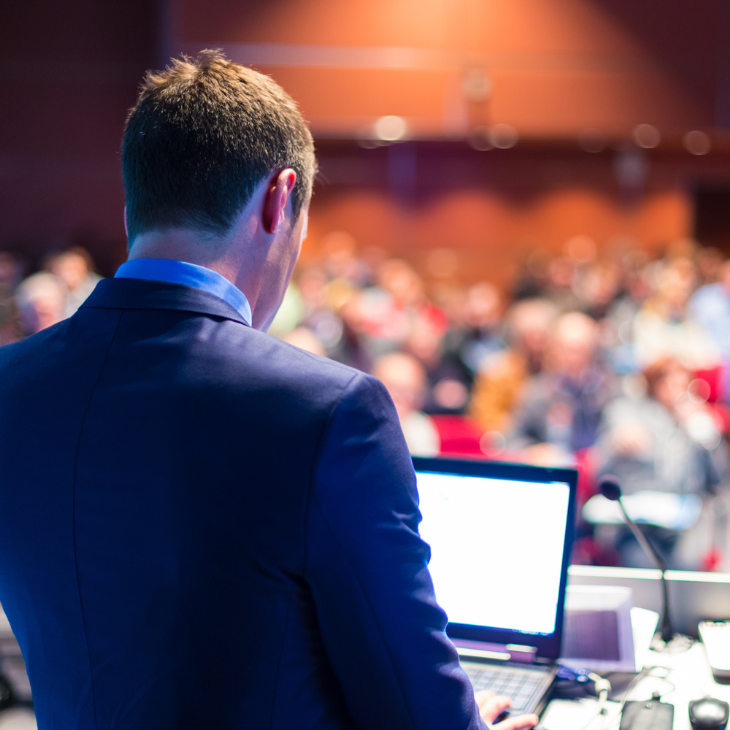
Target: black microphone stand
610, 489
667, 631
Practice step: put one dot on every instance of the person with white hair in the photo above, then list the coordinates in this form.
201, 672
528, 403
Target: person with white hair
563, 405
41, 300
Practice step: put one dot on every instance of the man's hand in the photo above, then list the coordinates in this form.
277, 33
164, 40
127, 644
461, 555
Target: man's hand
491, 707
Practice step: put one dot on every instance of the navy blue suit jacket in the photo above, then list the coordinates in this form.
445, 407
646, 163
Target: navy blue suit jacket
204, 527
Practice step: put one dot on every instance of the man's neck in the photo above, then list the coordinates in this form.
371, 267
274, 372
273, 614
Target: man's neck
220, 255
179, 245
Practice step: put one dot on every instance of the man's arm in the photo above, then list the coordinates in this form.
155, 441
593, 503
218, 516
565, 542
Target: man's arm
367, 569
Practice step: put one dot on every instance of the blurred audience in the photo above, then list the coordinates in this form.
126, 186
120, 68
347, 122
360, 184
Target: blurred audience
46, 297
609, 361
553, 375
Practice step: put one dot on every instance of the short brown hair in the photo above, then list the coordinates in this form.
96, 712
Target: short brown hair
203, 134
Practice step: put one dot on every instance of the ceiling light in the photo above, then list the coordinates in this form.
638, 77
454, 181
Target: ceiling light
390, 128
698, 143
647, 136
503, 136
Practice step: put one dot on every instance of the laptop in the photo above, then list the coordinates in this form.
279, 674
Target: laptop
500, 537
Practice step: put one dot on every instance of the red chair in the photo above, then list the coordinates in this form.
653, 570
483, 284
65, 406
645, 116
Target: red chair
714, 378
713, 381
460, 436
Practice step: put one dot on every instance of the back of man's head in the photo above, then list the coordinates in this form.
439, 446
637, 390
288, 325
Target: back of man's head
203, 134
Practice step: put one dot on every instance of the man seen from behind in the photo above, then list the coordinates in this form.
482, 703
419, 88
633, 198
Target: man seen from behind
202, 526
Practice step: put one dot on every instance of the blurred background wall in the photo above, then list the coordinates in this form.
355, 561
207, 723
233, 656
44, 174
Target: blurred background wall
521, 124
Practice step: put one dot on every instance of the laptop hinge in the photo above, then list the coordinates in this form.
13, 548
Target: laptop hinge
496, 652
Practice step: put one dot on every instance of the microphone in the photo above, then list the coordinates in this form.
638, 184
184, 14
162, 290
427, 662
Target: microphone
610, 489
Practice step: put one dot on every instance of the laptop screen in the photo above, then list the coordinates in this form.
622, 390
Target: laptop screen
498, 547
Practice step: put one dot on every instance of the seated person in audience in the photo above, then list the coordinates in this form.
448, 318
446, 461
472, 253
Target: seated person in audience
561, 289
663, 328
447, 378
665, 440
41, 300
76, 270
532, 277
599, 288
709, 262
405, 379
502, 378
563, 404
480, 334
617, 325
710, 308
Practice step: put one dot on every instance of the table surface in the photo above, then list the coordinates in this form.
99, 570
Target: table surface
679, 677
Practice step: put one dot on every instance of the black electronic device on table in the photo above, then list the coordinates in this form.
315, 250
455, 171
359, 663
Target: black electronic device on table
708, 714
500, 537
647, 715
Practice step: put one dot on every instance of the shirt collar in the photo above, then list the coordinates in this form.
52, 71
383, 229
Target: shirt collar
181, 272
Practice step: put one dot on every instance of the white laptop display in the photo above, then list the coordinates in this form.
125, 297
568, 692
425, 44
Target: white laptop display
500, 537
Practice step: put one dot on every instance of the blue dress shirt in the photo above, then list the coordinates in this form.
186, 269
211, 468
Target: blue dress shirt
181, 272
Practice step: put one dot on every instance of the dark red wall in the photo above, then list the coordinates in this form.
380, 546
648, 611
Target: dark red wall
68, 73
69, 70
556, 66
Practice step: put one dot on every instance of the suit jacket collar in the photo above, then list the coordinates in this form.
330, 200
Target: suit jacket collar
142, 294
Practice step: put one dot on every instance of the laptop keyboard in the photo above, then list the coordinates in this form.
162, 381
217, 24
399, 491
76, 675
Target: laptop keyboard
524, 687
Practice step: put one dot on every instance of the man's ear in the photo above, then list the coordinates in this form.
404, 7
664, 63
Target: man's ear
126, 226
278, 192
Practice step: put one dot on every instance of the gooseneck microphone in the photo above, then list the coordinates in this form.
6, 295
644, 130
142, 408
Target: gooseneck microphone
610, 489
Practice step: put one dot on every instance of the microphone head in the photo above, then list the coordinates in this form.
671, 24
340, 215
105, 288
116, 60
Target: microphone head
609, 488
